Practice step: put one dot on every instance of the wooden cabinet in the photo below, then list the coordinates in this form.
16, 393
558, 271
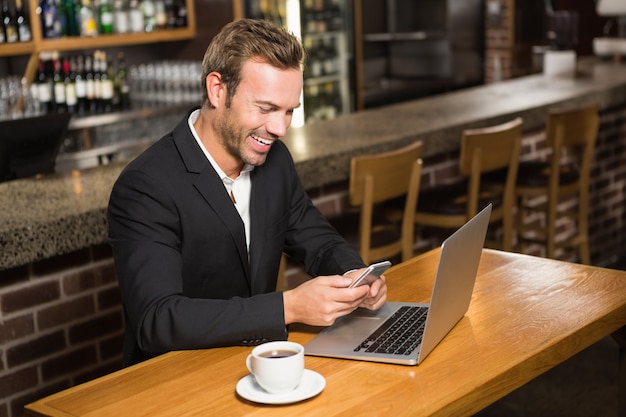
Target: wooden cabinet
39, 43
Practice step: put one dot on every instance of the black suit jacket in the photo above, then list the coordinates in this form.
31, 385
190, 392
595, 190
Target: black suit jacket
179, 246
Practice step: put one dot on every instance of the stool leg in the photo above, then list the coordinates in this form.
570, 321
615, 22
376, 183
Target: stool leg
551, 228
583, 229
521, 206
620, 337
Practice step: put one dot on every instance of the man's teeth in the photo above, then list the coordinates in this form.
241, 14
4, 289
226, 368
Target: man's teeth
261, 140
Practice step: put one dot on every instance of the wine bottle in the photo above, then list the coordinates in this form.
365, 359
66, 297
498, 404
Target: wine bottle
9, 23
23, 23
121, 83
3, 33
72, 27
106, 85
81, 85
59, 85
170, 11
69, 74
97, 106
44, 85
90, 85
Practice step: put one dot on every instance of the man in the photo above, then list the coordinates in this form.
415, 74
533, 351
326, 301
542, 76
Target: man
198, 222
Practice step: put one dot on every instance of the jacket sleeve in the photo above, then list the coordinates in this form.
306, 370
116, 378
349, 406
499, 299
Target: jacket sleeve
311, 239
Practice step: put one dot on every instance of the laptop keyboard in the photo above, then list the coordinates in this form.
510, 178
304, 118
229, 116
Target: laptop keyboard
399, 334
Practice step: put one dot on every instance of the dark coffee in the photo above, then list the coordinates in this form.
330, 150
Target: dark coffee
277, 353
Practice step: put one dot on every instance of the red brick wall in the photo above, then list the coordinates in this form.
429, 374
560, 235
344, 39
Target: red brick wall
61, 324
499, 42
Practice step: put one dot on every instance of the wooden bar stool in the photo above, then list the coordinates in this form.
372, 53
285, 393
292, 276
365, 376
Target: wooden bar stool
571, 135
483, 150
383, 232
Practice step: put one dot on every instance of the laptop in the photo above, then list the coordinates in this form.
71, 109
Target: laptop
366, 335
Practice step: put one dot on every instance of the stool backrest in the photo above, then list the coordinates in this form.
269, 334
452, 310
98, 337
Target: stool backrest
569, 132
490, 149
382, 177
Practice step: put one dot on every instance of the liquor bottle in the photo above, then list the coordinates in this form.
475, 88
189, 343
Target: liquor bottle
69, 74
160, 15
121, 23
88, 23
121, 83
59, 85
72, 26
97, 104
331, 58
170, 12
106, 85
44, 84
9, 23
23, 23
135, 17
60, 19
106, 17
81, 85
316, 57
149, 15
50, 19
181, 13
90, 85
3, 34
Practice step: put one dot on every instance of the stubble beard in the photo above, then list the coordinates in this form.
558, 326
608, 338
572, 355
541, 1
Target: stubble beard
235, 140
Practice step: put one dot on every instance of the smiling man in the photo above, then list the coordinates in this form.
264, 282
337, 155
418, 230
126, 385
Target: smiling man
199, 221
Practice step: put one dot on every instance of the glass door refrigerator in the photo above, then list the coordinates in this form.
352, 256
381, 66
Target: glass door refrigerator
325, 29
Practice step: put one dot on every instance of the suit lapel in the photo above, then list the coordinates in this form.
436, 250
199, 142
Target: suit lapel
258, 217
210, 186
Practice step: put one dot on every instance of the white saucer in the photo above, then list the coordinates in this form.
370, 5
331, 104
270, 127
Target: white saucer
312, 384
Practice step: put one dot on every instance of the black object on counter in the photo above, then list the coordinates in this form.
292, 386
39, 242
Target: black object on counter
30, 146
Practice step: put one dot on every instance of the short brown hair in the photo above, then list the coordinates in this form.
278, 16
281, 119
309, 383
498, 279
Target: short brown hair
245, 39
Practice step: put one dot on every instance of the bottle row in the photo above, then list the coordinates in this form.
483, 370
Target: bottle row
317, 16
89, 18
14, 23
94, 83
323, 57
81, 84
320, 16
322, 101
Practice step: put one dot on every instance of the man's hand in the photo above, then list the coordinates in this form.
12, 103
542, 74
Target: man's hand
322, 300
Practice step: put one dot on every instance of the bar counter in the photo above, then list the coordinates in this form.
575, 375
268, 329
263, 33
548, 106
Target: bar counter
56, 214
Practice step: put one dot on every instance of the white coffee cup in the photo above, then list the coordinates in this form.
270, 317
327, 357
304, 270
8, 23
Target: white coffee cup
277, 366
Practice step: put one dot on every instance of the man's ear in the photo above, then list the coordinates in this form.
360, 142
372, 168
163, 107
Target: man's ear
216, 89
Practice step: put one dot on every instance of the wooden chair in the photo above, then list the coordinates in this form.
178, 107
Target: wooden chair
483, 150
374, 180
571, 135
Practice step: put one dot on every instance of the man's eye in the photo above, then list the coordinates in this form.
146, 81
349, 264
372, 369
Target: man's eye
265, 109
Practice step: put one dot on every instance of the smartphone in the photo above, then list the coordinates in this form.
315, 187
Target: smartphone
371, 274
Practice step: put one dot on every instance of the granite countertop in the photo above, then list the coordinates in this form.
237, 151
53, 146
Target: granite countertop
56, 214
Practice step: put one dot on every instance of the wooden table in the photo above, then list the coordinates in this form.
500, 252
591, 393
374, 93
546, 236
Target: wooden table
527, 315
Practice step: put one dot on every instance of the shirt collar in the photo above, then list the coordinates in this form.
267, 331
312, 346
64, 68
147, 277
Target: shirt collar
192, 119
